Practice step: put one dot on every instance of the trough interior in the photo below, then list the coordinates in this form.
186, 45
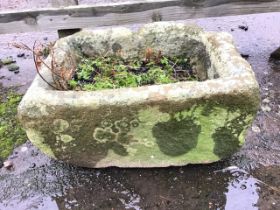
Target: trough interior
122, 42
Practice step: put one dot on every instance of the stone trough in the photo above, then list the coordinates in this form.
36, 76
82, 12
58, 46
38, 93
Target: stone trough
149, 126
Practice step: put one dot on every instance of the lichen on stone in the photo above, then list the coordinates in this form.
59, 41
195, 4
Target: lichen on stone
104, 135
60, 125
66, 138
38, 140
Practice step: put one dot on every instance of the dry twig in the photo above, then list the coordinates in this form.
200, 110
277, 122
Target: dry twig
60, 74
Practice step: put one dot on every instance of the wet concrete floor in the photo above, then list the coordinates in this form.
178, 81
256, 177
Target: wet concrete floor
248, 180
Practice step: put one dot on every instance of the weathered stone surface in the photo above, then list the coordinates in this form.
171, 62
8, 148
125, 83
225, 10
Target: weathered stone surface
150, 126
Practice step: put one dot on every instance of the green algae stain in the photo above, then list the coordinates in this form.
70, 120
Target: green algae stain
177, 136
188, 136
230, 137
141, 143
226, 142
11, 133
199, 134
222, 129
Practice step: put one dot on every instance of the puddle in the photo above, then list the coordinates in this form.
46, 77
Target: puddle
54, 185
27, 69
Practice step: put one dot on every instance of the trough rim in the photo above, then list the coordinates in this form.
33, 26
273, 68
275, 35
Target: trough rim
236, 76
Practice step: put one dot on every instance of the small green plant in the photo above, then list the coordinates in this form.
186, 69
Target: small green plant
114, 72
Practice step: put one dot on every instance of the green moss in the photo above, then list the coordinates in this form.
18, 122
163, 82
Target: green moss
11, 133
114, 72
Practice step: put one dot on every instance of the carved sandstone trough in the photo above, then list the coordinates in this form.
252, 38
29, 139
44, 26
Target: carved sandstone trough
150, 126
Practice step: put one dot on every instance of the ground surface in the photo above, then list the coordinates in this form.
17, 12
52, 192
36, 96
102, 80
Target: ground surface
250, 179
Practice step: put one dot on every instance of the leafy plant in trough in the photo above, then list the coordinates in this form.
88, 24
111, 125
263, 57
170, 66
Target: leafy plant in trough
109, 72
115, 72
